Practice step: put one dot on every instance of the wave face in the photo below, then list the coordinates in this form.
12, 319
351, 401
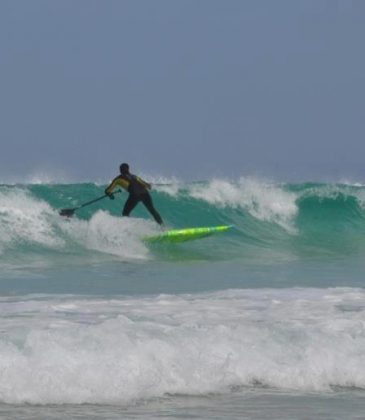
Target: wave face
276, 220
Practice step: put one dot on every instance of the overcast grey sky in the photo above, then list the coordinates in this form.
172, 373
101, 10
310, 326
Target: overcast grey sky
192, 88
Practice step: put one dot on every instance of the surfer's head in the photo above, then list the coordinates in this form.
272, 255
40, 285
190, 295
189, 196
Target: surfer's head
124, 168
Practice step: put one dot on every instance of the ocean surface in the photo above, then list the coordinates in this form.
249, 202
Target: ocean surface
265, 321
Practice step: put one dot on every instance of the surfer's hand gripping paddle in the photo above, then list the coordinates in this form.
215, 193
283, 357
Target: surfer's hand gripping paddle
70, 212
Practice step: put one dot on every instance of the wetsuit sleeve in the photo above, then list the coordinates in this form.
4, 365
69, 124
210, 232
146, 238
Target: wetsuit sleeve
110, 188
144, 183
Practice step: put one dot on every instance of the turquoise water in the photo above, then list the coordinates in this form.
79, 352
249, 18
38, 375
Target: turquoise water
249, 323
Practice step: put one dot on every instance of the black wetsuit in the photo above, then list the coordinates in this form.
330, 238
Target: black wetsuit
138, 191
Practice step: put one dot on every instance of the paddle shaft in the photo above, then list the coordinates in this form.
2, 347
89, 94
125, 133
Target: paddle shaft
91, 202
69, 212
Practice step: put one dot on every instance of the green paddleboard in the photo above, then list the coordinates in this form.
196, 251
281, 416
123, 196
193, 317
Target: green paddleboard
182, 235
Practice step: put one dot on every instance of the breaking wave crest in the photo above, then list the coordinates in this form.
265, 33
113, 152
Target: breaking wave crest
299, 219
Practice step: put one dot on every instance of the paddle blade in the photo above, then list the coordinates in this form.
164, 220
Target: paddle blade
67, 212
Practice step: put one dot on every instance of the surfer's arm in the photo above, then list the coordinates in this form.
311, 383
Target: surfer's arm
110, 187
144, 183
116, 182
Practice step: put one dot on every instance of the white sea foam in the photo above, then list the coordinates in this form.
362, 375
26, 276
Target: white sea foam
69, 350
334, 191
360, 197
351, 182
113, 235
24, 219
167, 185
263, 200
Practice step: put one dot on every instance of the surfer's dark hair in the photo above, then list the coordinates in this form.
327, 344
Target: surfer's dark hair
124, 167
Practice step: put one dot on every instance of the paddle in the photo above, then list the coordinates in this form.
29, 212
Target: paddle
70, 212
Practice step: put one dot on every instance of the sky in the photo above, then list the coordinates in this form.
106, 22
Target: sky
186, 88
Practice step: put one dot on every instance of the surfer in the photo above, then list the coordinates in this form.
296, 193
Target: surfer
138, 191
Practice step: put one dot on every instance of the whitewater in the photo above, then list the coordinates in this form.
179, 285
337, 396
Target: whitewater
266, 320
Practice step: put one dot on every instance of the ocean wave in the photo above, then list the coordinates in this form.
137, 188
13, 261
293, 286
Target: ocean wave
296, 219
24, 219
30, 225
69, 350
108, 234
264, 201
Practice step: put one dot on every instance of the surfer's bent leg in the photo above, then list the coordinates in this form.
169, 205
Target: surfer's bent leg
130, 204
147, 201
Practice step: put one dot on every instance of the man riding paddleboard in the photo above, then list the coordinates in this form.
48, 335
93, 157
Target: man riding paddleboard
137, 189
